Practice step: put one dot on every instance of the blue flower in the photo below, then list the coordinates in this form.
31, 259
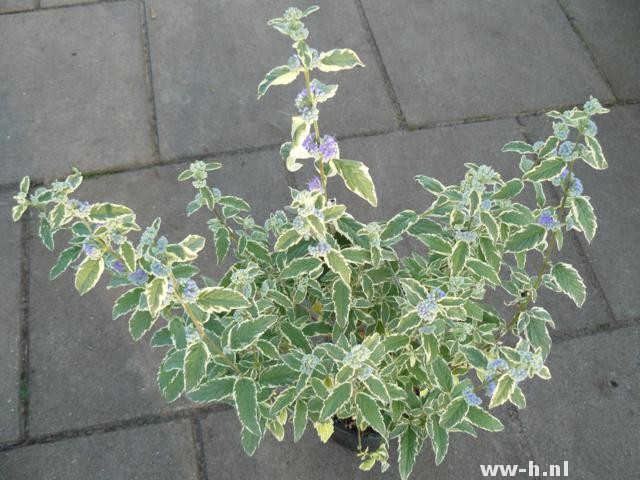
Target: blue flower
310, 144
547, 220
561, 131
565, 149
139, 277
591, 129
89, 249
518, 374
427, 329
576, 187
298, 223
497, 364
309, 115
427, 309
328, 148
538, 146
592, 106
170, 287
320, 249
486, 204
190, 290
314, 184
438, 292
471, 398
564, 173
118, 267
466, 236
158, 269
491, 386
309, 363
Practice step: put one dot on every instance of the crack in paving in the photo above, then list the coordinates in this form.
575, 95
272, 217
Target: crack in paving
38, 8
198, 444
146, 49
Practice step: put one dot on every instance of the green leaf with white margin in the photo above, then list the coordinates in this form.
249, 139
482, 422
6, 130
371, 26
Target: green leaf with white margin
246, 333
245, 395
219, 299
597, 159
525, 239
503, 391
250, 442
139, 324
336, 399
570, 282
281, 75
409, 444
518, 147
66, 258
195, 365
484, 270
398, 224
171, 384
547, 169
88, 274
538, 335
338, 264
324, 429
371, 413
126, 302
214, 390
341, 296
439, 442
46, 234
459, 256
339, 59
454, 413
443, 374
549, 146
357, 179
101, 212
300, 266
584, 216
299, 131
509, 190
286, 240
156, 292
483, 419
430, 184
299, 420
222, 241
128, 254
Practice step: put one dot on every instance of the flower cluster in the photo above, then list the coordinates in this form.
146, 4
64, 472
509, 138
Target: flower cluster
320, 249
326, 150
428, 308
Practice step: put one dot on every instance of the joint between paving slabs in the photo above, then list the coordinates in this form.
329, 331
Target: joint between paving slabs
523, 439
393, 97
23, 335
117, 425
586, 46
148, 71
198, 447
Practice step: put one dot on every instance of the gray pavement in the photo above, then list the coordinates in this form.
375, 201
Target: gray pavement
132, 90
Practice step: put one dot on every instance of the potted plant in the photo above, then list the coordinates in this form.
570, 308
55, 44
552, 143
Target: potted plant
319, 321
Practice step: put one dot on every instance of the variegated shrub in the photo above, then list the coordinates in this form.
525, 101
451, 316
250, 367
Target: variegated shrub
319, 317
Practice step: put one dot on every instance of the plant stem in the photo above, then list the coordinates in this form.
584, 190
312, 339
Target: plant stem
323, 175
522, 306
210, 343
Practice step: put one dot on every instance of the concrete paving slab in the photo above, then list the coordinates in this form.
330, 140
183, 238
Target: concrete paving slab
454, 60
158, 452
589, 412
15, 5
208, 59
85, 367
395, 159
611, 32
9, 321
613, 197
60, 3
73, 91
310, 458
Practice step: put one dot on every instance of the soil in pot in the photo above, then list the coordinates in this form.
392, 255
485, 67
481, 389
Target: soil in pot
345, 433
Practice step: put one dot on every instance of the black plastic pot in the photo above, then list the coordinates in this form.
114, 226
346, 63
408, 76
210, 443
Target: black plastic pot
348, 437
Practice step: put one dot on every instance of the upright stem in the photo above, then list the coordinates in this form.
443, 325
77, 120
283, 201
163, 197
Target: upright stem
210, 343
323, 175
522, 306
